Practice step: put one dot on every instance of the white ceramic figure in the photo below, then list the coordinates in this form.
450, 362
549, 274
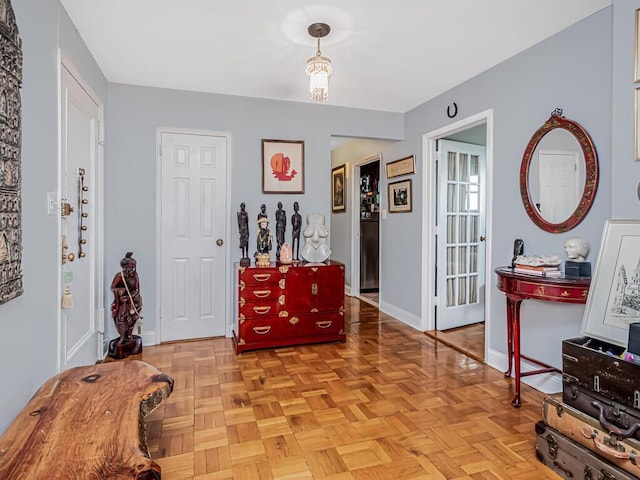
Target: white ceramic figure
577, 249
315, 233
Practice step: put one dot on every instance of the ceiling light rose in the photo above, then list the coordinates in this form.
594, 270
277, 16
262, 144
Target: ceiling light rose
319, 68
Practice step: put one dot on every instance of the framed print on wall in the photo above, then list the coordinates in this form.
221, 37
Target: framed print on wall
404, 166
400, 196
282, 166
612, 303
338, 192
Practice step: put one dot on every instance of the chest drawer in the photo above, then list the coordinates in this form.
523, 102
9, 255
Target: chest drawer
259, 330
256, 277
260, 293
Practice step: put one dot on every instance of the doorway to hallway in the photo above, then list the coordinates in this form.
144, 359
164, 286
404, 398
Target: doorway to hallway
456, 217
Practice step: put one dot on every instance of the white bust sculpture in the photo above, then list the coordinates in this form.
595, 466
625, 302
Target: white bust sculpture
577, 249
315, 233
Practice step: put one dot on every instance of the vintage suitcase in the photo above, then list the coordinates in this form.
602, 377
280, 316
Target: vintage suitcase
623, 420
571, 460
586, 430
597, 366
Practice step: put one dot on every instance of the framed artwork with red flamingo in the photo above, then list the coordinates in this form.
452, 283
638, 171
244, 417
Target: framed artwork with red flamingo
282, 166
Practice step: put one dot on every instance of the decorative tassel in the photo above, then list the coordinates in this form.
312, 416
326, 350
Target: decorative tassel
67, 299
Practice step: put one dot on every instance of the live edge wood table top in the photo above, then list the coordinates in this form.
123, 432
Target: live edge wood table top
86, 423
520, 286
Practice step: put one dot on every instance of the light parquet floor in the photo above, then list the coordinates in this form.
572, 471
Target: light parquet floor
390, 403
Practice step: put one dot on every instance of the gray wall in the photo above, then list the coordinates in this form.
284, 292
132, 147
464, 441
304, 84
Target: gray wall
136, 112
29, 323
571, 70
625, 169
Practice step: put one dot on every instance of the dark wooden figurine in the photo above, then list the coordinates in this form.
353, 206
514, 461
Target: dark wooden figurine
243, 228
296, 227
281, 225
125, 309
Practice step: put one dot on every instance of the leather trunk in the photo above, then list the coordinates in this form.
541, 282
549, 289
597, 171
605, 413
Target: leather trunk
587, 431
571, 460
596, 365
612, 415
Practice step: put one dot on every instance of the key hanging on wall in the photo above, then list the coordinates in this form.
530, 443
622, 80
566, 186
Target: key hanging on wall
82, 215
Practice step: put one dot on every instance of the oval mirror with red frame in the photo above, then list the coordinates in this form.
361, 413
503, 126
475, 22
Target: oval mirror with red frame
559, 174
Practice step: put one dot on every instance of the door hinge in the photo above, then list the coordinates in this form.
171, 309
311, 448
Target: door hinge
437, 156
160, 149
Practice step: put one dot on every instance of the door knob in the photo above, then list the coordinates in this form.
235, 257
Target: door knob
482, 238
219, 242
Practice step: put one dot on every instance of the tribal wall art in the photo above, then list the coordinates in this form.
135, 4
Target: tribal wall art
10, 141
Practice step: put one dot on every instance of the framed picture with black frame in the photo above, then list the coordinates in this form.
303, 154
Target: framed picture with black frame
338, 191
400, 197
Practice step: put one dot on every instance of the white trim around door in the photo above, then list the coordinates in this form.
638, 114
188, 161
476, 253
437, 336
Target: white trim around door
157, 335
429, 215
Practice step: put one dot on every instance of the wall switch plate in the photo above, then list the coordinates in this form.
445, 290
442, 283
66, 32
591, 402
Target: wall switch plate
384, 214
52, 205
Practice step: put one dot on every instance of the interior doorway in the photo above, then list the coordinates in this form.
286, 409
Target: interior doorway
458, 193
365, 225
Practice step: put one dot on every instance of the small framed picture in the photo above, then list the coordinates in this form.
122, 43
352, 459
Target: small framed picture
338, 192
282, 166
404, 166
400, 196
613, 303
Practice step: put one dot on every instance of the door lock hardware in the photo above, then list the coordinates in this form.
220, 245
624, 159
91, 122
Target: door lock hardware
66, 256
219, 242
66, 209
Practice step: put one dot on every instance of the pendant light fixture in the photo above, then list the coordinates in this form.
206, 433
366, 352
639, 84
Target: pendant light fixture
318, 67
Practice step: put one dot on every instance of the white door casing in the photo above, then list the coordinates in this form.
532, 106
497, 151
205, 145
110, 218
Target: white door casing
193, 218
461, 232
81, 323
429, 141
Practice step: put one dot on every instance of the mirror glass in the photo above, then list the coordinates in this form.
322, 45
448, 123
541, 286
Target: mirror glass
559, 174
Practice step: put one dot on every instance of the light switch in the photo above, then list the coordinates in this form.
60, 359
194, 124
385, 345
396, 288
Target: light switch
384, 214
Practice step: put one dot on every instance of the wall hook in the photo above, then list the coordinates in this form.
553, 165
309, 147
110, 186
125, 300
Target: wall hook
455, 110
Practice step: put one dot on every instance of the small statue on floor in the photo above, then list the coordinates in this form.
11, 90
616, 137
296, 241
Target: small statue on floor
125, 309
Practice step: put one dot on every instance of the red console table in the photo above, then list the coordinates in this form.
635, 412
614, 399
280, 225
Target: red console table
520, 286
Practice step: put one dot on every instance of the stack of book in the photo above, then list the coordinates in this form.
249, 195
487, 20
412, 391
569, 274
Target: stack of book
539, 270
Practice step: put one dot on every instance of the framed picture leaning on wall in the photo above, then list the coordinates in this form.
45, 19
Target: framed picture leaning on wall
614, 294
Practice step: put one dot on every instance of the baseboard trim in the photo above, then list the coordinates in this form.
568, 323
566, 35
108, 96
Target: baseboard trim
401, 315
549, 383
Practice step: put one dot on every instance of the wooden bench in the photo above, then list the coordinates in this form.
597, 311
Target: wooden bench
87, 423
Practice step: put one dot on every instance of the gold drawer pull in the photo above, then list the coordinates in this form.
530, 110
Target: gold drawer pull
262, 293
261, 310
262, 330
262, 277
324, 324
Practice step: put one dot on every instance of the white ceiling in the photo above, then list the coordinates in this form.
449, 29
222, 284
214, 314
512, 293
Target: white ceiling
389, 56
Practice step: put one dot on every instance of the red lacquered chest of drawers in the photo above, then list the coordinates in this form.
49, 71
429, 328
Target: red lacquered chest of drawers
282, 305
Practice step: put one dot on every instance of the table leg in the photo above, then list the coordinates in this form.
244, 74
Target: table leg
509, 339
515, 321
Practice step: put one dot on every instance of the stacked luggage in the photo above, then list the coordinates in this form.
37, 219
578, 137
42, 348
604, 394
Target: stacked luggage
594, 432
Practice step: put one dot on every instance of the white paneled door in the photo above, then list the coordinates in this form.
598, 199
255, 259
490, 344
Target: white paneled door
193, 218
81, 318
461, 230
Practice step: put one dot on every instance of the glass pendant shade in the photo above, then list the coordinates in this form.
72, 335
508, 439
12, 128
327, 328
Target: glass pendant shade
318, 70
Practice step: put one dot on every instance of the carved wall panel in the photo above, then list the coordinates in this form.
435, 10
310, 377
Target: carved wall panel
10, 141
